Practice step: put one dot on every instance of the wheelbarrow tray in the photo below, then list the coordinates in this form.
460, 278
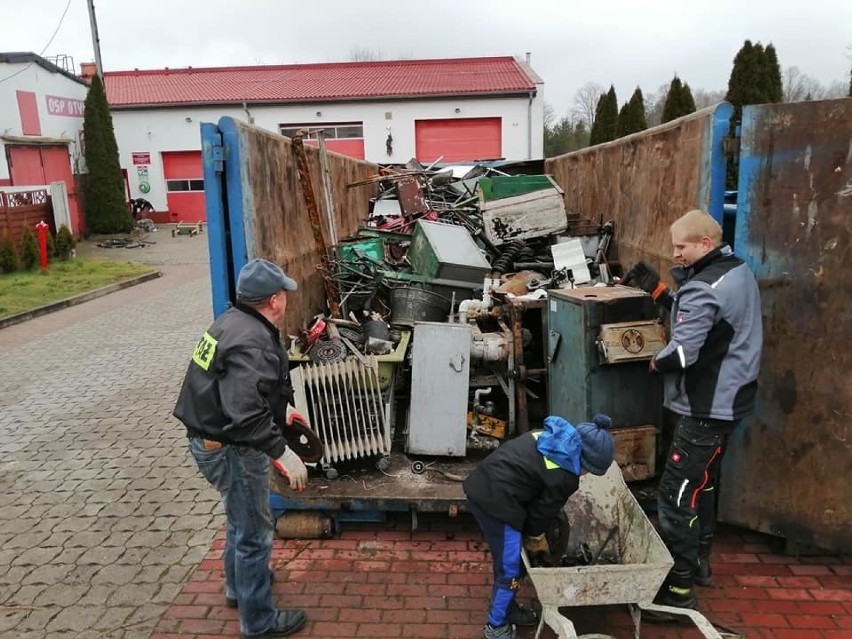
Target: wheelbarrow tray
599, 505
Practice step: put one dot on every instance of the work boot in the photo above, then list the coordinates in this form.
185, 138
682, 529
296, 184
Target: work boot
232, 602
506, 631
521, 616
287, 622
676, 592
703, 574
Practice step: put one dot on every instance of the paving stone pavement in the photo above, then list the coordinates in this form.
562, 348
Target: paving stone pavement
102, 516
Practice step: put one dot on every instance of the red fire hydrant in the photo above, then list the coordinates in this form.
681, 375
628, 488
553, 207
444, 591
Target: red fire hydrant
42, 228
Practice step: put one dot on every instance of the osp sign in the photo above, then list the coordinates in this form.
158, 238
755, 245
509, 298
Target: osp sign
68, 107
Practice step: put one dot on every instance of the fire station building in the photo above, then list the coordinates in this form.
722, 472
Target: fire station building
41, 127
450, 110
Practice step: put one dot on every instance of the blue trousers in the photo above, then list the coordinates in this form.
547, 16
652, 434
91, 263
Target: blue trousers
504, 542
241, 476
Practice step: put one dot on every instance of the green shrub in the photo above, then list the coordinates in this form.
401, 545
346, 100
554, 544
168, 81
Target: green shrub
51, 246
65, 243
29, 249
8, 254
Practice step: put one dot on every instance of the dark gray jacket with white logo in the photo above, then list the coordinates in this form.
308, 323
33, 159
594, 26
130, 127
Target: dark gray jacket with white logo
237, 386
712, 362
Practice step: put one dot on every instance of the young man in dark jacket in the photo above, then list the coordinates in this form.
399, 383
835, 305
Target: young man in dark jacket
233, 401
518, 490
710, 369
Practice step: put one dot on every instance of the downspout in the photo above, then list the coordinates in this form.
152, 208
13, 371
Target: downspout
529, 125
529, 111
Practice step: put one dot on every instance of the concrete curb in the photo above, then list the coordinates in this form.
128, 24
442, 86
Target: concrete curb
17, 318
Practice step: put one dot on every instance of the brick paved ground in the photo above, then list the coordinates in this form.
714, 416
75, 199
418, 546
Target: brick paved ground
106, 530
372, 582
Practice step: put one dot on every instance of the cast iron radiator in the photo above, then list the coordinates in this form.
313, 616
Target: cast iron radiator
346, 409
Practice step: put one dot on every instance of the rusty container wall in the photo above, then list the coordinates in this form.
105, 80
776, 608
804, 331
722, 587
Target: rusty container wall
788, 472
275, 218
645, 181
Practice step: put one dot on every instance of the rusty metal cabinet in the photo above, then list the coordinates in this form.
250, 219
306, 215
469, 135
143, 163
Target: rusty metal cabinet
600, 342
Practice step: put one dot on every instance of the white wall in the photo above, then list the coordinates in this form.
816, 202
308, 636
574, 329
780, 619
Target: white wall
43, 83
177, 129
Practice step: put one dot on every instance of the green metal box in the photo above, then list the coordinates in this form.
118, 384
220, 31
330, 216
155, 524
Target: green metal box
371, 247
446, 251
581, 382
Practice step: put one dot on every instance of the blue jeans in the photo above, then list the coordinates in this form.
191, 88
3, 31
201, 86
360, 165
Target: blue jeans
240, 474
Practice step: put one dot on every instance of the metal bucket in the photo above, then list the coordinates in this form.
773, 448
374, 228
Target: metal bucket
410, 305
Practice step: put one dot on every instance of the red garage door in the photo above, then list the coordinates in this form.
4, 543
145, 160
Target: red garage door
33, 165
184, 185
463, 139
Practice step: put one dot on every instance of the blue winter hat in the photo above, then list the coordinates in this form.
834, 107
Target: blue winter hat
260, 279
560, 443
598, 444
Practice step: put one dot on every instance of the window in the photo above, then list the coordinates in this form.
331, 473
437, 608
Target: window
333, 130
184, 185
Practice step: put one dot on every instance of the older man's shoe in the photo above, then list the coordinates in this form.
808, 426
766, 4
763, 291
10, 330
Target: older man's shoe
288, 622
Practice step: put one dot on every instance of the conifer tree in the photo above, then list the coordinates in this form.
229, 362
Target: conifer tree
679, 101
595, 134
30, 254
623, 124
631, 118
605, 127
755, 79
105, 206
8, 253
775, 84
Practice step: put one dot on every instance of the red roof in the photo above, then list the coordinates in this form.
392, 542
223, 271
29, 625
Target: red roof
320, 82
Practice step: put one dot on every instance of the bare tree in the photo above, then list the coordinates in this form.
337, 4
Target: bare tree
837, 89
654, 104
704, 98
549, 115
800, 86
585, 102
365, 54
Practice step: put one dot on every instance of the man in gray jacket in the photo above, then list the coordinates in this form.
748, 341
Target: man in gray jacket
710, 369
233, 402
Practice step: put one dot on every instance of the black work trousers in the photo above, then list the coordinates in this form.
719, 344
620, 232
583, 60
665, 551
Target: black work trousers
686, 502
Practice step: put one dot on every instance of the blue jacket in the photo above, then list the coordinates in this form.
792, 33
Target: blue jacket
523, 488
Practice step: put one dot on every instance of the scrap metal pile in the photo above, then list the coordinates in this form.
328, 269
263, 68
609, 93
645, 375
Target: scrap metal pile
436, 237
470, 249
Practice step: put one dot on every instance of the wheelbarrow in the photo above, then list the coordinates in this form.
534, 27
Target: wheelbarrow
606, 517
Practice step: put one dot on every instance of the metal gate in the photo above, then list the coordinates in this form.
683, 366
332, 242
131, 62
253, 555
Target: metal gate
788, 472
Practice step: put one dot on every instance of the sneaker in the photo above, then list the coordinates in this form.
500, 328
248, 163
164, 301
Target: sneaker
521, 616
232, 602
506, 631
288, 622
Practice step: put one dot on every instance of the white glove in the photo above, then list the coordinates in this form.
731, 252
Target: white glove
293, 469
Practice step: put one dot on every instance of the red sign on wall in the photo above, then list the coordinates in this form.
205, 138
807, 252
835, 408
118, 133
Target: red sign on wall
69, 107
141, 158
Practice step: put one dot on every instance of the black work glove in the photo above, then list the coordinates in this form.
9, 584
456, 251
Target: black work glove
645, 277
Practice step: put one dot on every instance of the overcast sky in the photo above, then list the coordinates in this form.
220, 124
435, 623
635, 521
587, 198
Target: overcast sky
623, 42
